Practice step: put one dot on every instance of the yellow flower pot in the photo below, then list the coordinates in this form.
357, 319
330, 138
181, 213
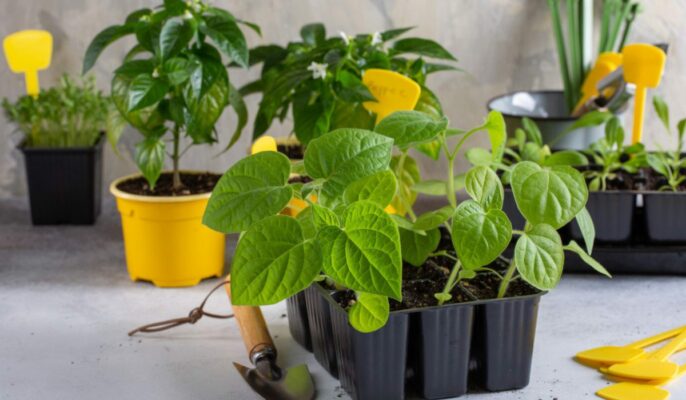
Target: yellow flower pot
165, 240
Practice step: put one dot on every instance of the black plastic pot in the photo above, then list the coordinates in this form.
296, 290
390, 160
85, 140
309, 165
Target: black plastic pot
321, 329
65, 184
665, 215
429, 352
298, 324
511, 210
613, 216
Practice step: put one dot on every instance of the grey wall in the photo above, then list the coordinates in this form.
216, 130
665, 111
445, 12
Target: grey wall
503, 45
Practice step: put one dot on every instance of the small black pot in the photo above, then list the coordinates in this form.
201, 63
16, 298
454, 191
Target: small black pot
613, 216
511, 210
65, 184
665, 214
321, 329
298, 324
430, 351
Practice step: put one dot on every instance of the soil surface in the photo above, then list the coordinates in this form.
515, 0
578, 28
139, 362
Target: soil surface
300, 179
294, 151
421, 283
192, 184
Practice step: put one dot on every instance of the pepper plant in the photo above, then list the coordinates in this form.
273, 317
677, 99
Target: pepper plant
669, 164
347, 238
319, 79
174, 79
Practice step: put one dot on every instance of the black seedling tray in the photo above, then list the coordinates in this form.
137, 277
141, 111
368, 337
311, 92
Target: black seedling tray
633, 259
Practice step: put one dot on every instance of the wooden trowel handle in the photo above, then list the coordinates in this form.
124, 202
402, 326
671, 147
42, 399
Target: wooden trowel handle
253, 328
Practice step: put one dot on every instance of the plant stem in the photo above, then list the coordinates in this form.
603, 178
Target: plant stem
561, 51
450, 185
176, 183
505, 283
451, 280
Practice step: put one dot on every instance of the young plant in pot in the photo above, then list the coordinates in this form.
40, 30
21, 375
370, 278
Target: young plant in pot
319, 80
664, 204
173, 84
348, 252
64, 126
556, 111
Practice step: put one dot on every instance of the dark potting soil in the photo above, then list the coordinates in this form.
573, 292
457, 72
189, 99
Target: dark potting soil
294, 151
485, 286
300, 179
192, 184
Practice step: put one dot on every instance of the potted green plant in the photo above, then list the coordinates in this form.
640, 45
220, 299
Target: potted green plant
173, 84
318, 80
63, 130
389, 282
552, 109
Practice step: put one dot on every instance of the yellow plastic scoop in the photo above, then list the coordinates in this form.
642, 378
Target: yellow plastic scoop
656, 366
28, 52
393, 92
637, 390
263, 143
608, 355
643, 66
605, 64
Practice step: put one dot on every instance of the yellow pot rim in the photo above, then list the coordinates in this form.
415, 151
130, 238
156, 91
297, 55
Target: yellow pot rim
156, 199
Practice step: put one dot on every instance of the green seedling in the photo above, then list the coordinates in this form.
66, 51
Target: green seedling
348, 239
174, 80
610, 155
669, 164
72, 114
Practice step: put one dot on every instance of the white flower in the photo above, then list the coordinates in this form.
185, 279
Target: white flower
318, 70
376, 38
345, 37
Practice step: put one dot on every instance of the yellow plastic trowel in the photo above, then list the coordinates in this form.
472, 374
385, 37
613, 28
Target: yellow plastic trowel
393, 92
639, 390
643, 66
609, 355
605, 64
655, 366
28, 52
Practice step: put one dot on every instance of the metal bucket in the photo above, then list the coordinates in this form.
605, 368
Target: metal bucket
548, 109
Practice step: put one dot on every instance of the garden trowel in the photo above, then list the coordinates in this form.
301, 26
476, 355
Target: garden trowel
393, 92
266, 378
28, 52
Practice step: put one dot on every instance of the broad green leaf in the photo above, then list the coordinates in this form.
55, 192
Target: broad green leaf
350, 88
378, 188
433, 219
145, 91
252, 189
344, 156
407, 177
484, 186
436, 187
148, 120
365, 254
583, 218
550, 195
322, 216
178, 70
150, 158
430, 149
662, 111
658, 163
539, 256
532, 152
394, 33
369, 313
228, 37
238, 104
574, 247
306, 220
101, 41
479, 156
479, 236
133, 68
497, 134
351, 115
614, 133
273, 261
405, 224
313, 34
593, 118
532, 131
206, 95
416, 247
566, 157
176, 33
408, 128
311, 119
423, 47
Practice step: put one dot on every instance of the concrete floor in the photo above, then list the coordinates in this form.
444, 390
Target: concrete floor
66, 304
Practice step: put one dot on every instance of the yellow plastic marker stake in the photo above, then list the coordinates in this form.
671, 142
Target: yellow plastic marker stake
606, 63
606, 372
29, 52
393, 92
637, 390
608, 355
654, 367
643, 66
263, 143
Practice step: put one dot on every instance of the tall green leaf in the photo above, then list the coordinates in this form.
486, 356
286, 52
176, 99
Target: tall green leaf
145, 91
176, 33
378, 188
424, 47
484, 186
228, 37
415, 247
479, 235
539, 256
102, 40
369, 313
150, 158
408, 128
